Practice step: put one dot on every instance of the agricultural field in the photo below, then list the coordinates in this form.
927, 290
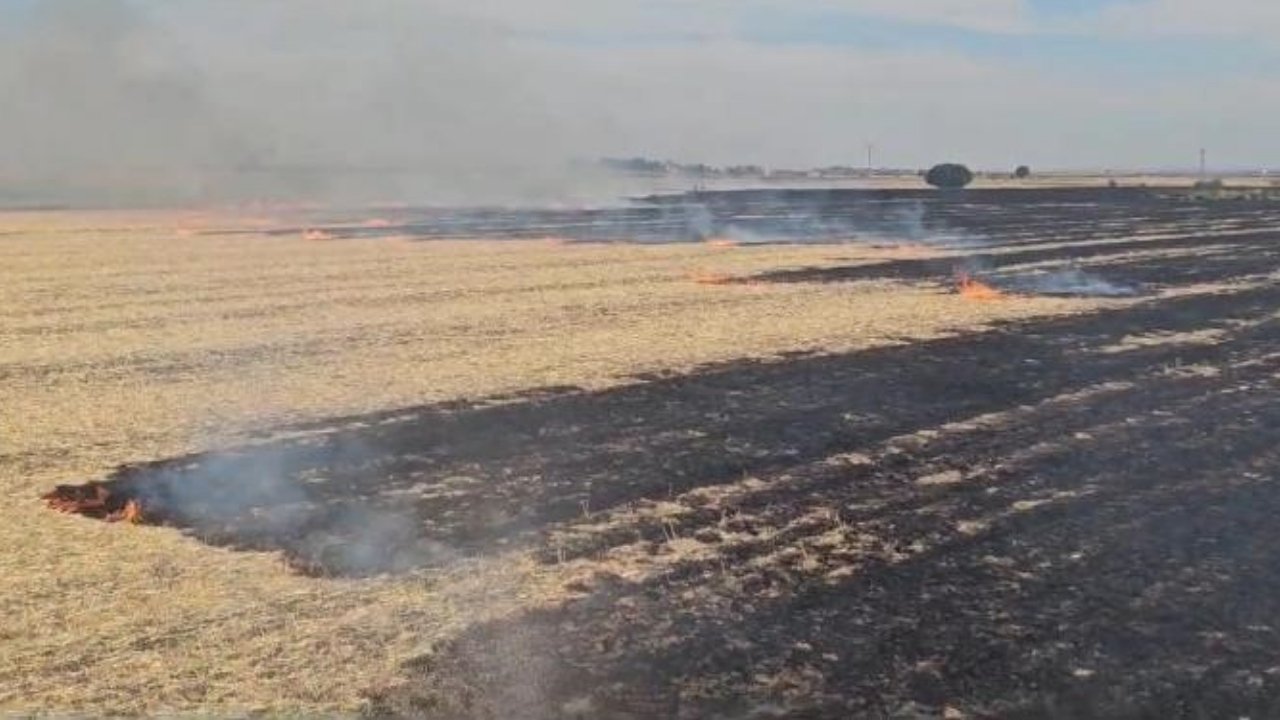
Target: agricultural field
998, 453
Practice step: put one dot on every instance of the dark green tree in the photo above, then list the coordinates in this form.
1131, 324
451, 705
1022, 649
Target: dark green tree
949, 176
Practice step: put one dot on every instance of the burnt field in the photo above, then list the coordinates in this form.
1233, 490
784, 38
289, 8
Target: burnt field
806, 216
1025, 524
1069, 516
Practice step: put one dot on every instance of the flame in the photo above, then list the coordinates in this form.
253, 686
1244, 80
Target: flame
94, 500
316, 235
377, 223
721, 243
976, 289
131, 513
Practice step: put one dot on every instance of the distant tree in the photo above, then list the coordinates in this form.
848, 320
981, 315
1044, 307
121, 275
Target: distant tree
635, 165
697, 169
949, 176
1022, 173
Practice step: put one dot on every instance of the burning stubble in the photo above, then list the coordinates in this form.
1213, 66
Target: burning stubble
263, 500
972, 289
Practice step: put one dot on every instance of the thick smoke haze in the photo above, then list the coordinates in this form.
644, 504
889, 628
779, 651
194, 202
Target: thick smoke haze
141, 101
123, 102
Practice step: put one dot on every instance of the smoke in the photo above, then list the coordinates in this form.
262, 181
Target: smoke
292, 496
1070, 281
440, 101
137, 102
762, 217
431, 102
95, 99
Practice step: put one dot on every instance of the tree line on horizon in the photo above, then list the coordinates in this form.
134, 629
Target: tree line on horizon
944, 175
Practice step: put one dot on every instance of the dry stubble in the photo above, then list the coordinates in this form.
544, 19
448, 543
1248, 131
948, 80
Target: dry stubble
128, 337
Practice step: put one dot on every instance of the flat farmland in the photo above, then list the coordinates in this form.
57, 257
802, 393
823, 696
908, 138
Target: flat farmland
511, 466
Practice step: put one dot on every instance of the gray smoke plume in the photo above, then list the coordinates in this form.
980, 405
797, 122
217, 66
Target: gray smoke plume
96, 100
434, 102
137, 102
1070, 281
280, 497
776, 220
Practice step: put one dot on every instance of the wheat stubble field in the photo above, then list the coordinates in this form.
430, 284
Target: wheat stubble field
537, 478
132, 337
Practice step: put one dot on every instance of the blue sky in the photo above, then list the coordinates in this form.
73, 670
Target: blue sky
453, 86
1059, 36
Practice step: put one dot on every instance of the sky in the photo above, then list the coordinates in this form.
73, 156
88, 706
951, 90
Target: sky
401, 97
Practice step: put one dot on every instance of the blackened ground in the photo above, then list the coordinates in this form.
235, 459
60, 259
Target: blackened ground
803, 216
1108, 548
1002, 240
478, 479
1067, 518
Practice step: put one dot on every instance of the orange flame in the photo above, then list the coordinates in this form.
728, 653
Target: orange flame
131, 513
976, 289
317, 235
94, 500
721, 243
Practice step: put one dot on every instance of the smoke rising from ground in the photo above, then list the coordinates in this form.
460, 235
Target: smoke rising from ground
1069, 281
282, 495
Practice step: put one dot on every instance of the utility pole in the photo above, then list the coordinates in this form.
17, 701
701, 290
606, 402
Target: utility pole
1203, 166
871, 149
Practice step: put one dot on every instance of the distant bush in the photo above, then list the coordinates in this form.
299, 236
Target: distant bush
1214, 184
949, 176
1022, 173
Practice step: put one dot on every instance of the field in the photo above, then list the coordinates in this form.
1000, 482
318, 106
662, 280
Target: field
522, 474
